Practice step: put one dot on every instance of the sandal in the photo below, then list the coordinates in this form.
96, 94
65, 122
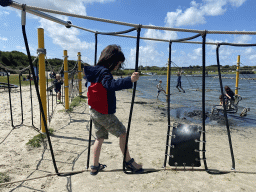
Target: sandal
130, 167
97, 168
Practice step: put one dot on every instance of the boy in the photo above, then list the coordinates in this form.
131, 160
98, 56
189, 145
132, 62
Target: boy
57, 84
160, 89
179, 82
102, 102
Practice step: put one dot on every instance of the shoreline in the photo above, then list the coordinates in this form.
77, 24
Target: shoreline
147, 142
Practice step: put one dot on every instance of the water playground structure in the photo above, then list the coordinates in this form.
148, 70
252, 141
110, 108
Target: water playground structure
186, 145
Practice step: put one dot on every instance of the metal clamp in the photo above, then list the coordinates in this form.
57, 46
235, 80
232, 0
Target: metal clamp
184, 164
41, 51
176, 165
171, 135
196, 150
171, 146
196, 159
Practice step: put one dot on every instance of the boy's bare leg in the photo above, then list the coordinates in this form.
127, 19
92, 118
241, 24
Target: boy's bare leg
128, 157
96, 152
182, 89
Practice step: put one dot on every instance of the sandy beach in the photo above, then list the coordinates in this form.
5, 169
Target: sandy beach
147, 142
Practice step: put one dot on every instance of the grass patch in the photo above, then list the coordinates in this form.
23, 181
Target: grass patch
4, 178
76, 102
38, 139
14, 79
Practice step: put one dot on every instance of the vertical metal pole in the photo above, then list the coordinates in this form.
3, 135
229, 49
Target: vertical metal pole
203, 97
10, 98
237, 74
168, 102
66, 79
31, 101
21, 103
79, 74
167, 80
42, 82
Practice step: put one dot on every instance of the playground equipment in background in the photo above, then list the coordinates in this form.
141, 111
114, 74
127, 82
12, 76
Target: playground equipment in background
231, 106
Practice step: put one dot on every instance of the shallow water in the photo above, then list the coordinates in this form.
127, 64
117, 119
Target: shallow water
191, 100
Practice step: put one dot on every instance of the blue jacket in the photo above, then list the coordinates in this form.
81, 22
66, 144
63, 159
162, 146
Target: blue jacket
101, 92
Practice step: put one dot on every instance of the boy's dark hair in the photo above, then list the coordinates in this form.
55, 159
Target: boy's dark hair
220, 97
111, 56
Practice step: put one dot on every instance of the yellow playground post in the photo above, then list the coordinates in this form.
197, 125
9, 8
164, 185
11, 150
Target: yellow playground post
66, 79
42, 81
237, 74
79, 74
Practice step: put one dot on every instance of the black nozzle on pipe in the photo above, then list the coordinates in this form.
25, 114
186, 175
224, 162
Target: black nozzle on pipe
68, 26
5, 3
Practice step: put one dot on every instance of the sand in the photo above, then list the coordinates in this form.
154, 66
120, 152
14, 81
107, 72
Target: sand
146, 144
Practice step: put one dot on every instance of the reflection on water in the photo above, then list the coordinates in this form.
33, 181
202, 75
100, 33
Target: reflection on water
191, 100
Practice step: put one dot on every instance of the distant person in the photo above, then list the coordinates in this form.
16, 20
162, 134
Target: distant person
160, 89
221, 100
230, 96
57, 84
179, 82
229, 93
28, 78
53, 75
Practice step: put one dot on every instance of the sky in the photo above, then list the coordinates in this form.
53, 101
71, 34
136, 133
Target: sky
221, 15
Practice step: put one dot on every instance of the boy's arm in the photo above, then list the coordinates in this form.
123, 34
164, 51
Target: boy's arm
115, 85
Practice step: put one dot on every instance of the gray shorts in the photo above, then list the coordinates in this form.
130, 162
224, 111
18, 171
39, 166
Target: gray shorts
105, 123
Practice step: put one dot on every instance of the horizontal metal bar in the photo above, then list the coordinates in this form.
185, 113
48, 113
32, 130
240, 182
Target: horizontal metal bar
16, 5
41, 14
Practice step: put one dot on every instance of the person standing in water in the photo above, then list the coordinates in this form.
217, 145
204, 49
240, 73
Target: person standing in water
159, 88
179, 82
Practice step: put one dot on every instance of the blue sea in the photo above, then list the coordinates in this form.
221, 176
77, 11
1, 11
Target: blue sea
191, 100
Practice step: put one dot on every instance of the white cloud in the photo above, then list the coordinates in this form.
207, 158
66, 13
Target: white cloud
236, 3
196, 54
157, 34
252, 57
66, 38
71, 6
3, 38
191, 16
148, 56
4, 13
242, 39
250, 53
196, 13
20, 47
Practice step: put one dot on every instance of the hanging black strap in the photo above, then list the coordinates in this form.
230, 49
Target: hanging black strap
90, 129
38, 94
224, 106
133, 95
